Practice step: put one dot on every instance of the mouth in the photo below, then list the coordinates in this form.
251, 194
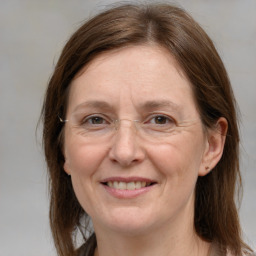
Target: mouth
128, 183
127, 187
131, 185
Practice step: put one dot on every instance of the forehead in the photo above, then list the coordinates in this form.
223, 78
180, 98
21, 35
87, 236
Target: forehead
135, 73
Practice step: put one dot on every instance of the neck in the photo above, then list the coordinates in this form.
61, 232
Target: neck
170, 241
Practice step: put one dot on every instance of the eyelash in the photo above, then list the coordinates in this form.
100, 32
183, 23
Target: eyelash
91, 117
88, 119
161, 116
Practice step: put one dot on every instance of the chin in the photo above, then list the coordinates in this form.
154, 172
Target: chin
128, 221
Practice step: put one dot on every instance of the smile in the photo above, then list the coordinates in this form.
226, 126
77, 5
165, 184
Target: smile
128, 185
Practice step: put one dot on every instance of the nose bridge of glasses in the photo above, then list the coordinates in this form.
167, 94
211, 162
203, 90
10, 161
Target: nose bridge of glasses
127, 123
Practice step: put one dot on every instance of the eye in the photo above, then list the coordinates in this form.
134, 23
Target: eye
94, 121
161, 120
159, 123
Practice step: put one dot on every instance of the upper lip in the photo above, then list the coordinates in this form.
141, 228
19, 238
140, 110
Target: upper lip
127, 179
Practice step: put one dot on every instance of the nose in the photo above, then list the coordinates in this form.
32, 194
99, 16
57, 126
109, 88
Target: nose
126, 149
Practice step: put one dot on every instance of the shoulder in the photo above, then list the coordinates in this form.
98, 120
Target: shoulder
244, 254
217, 250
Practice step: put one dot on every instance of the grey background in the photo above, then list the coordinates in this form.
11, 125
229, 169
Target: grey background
32, 34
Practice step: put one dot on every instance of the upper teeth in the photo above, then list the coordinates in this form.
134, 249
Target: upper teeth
128, 185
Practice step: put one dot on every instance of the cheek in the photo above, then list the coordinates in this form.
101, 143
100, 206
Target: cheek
181, 156
83, 158
84, 161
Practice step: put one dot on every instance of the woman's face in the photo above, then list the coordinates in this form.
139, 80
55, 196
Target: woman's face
138, 176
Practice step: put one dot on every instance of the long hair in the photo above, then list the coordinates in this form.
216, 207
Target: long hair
215, 217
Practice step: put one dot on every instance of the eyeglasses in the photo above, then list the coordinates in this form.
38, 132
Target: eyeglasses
99, 127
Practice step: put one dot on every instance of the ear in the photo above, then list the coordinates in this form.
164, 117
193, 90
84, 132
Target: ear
66, 167
216, 138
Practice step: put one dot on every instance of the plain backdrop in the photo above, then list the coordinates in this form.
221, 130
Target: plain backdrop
32, 34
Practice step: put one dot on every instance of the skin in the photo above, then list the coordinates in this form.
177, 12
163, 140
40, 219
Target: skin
159, 221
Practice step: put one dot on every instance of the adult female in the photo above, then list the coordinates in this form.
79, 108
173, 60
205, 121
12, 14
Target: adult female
135, 122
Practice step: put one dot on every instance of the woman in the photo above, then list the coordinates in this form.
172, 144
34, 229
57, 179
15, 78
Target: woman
140, 135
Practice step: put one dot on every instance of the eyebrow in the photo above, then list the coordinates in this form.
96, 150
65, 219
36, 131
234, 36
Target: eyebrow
146, 106
155, 104
94, 104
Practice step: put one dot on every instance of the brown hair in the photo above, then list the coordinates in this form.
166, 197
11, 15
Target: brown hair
216, 217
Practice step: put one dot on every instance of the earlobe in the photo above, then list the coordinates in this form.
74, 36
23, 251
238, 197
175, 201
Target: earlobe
216, 138
66, 168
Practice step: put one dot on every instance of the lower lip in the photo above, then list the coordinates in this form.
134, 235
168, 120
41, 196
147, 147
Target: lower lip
127, 194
